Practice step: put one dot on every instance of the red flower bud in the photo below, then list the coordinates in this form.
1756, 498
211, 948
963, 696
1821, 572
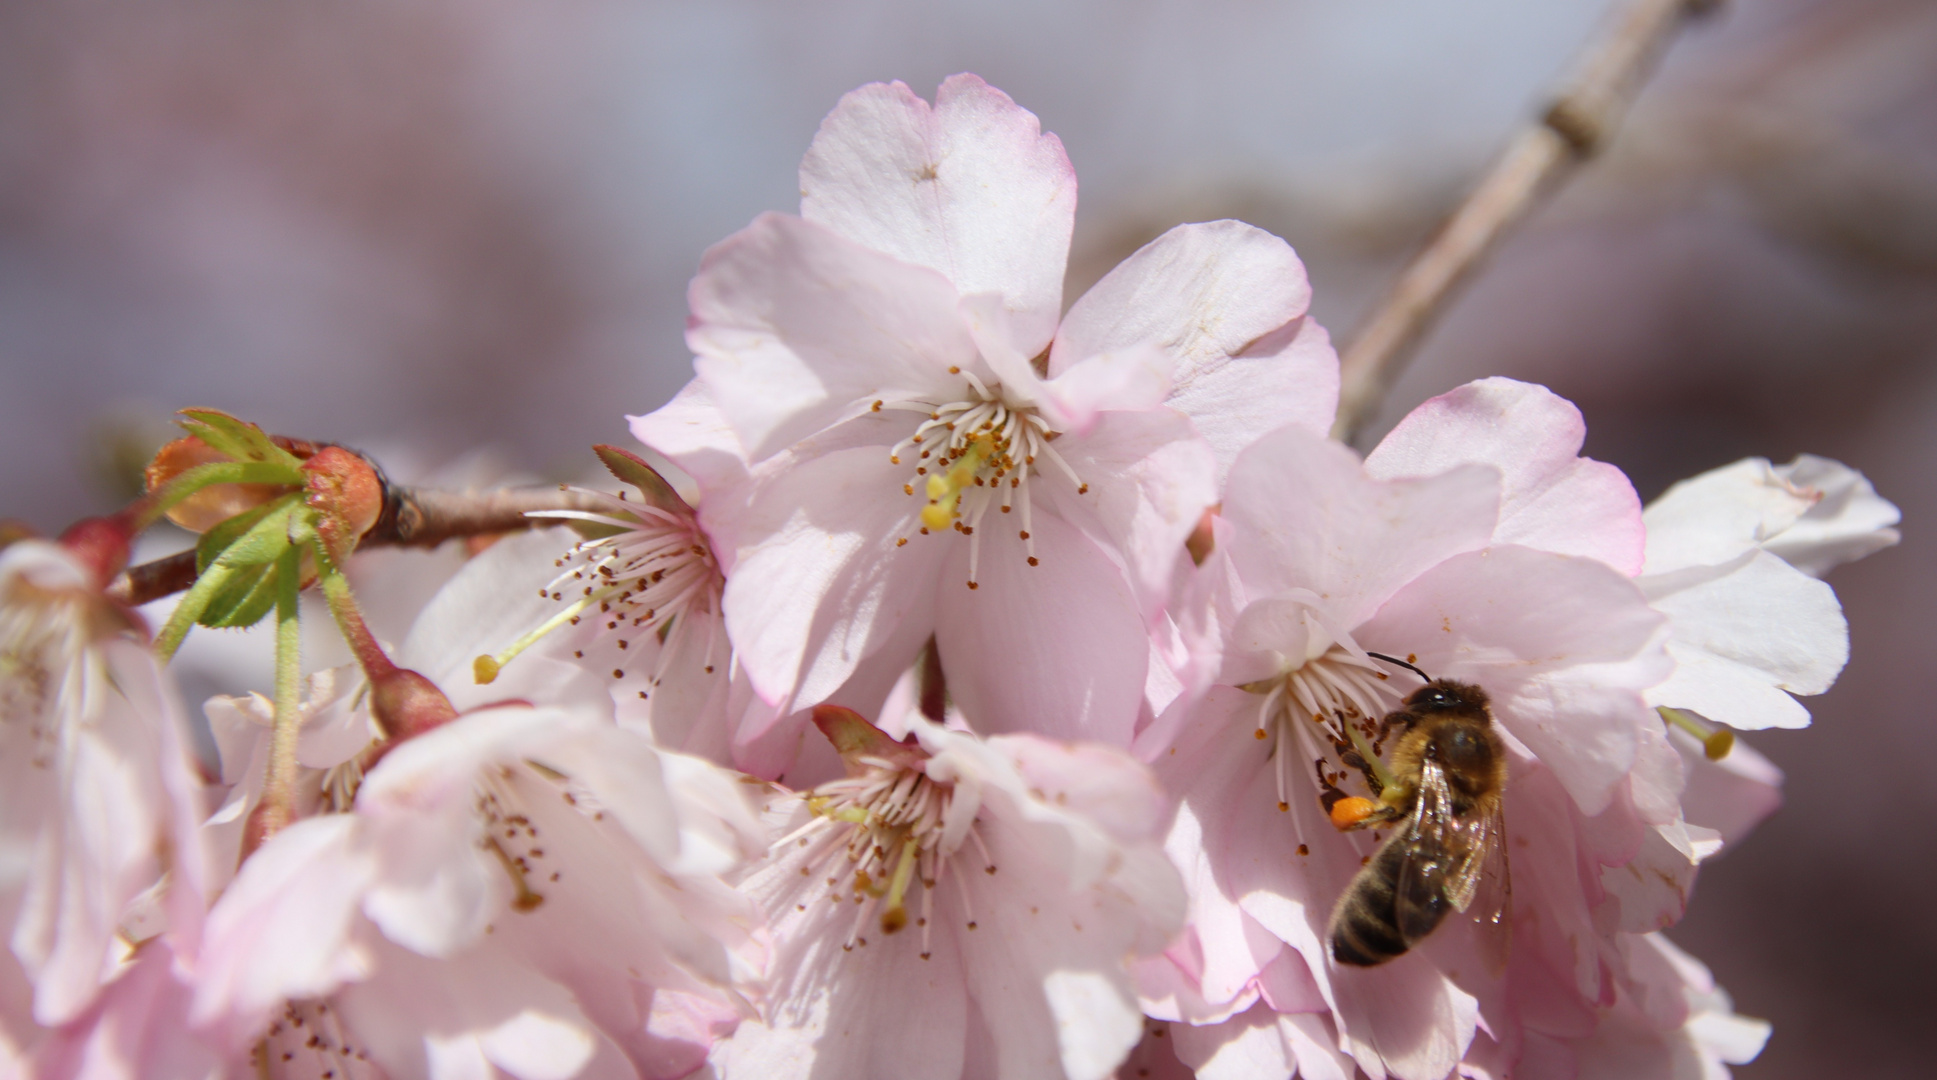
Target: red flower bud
212, 505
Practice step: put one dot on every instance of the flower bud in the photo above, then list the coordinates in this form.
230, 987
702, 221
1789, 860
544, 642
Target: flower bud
407, 704
348, 494
212, 505
101, 544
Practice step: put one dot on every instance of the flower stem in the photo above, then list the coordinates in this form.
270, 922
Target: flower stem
403, 702
376, 663
278, 805
193, 603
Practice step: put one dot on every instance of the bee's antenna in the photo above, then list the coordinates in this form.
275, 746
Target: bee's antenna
1401, 663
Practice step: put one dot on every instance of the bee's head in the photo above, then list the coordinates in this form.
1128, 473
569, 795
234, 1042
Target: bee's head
1445, 695
1460, 731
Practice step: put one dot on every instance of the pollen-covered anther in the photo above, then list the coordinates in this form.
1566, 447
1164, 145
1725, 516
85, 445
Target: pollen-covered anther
983, 441
655, 570
878, 835
1343, 692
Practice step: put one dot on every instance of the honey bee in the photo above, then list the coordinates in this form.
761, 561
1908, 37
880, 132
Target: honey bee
1451, 769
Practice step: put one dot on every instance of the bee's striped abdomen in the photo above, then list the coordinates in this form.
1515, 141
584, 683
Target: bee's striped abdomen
1365, 925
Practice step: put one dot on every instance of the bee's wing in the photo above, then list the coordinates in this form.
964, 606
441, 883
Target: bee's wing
1450, 860
1419, 889
1475, 846
1492, 900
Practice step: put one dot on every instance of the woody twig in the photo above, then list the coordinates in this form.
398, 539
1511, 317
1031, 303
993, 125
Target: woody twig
1577, 125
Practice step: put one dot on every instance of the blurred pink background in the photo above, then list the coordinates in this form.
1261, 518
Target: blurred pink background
444, 227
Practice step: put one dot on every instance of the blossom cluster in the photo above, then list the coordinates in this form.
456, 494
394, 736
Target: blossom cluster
979, 698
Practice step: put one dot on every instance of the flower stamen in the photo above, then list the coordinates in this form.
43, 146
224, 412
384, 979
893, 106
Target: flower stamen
986, 454
654, 571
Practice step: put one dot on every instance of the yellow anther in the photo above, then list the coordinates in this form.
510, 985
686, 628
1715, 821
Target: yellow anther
1716, 741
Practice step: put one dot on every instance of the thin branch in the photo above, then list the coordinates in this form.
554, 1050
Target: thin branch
426, 517
1578, 124
412, 517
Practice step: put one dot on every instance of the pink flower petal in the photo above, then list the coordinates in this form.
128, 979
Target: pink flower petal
1136, 377
1306, 516
138, 1029
1155, 477
970, 187
1724, 513
1550, 497
876, 1010
797, 328
1097, 782
284, 929
1058, 648
1848, 522
1228, 302
828, 586
1732, 795
691, 430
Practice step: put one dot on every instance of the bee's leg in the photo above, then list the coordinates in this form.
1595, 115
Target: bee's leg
1352, 759
1329, 793
1398, 718
1359, 812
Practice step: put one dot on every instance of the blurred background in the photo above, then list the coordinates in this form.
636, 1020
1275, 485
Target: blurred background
458, 234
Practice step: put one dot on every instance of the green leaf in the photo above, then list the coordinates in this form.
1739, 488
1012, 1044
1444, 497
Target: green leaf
632, 469
250, 538
248, 546
239, 439
244, 599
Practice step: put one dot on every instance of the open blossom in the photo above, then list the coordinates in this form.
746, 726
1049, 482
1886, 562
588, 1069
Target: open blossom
1733, 559
1455, 565
544, 853
639, 598
894, 437
531, 886
98, 804
955, 906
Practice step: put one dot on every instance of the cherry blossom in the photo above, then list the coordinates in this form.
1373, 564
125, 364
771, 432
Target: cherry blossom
894, 439
542, 853
1733, 558
1318, 564
530, 887
98, 802
956, 906
639, 597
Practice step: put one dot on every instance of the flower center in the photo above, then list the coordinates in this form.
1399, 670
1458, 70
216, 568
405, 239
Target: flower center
511, 833
308, 1040
655, 571
44, 664
885, 831
1328, 708
974, 454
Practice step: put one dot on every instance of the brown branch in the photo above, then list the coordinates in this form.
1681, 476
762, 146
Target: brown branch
426, 517
412, 517
1578, 124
